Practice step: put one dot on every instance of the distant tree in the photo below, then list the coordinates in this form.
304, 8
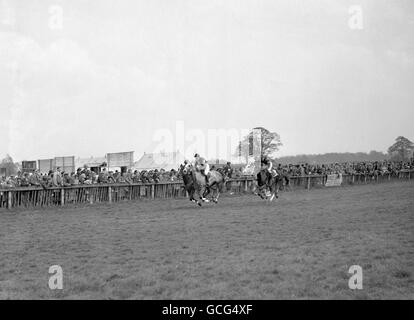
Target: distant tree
376, 155
9, 165
402, 149
270, 143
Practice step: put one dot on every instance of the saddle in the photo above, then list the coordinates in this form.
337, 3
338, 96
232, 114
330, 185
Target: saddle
274, 173
200, 169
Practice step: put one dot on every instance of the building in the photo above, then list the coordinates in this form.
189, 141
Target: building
66, 164
28, 166
120, 160
45, 165
93, 163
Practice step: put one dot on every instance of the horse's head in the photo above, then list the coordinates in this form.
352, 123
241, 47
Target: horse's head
187, 168
186, 174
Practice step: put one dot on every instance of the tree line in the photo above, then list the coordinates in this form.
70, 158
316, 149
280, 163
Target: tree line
401, 150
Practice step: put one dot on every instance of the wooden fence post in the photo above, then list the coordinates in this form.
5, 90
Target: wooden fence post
153, 191
9, 200
308, 186
62, 197
109, 194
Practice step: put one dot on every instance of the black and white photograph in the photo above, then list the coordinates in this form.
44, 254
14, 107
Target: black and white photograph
194, 150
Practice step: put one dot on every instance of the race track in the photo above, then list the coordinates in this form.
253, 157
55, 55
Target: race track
299, 246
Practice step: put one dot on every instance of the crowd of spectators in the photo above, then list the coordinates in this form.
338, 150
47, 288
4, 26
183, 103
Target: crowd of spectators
363, 168
86, 176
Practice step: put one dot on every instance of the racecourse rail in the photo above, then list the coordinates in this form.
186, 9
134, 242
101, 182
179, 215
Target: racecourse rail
28, 197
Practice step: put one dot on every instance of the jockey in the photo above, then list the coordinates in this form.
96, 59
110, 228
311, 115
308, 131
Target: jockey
267, 164
201, 165
228, 170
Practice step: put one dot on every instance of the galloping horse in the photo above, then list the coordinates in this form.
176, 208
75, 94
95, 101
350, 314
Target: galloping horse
189, 184
196, 182
274, 182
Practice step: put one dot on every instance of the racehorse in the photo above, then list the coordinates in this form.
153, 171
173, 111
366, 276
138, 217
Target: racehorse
199, 184
189, 184
273, 183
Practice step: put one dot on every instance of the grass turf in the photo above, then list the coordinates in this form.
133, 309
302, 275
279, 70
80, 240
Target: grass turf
297, 247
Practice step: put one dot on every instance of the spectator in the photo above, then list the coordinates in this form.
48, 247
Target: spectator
57, 178
228, 170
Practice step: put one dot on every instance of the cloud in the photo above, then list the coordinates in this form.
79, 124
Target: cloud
60, 95
108, 80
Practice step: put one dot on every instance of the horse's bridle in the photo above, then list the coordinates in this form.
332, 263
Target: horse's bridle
186, 168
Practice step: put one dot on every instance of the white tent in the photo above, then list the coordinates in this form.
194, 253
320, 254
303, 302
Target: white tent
162, 160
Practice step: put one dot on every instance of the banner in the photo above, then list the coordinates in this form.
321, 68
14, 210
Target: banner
334, 180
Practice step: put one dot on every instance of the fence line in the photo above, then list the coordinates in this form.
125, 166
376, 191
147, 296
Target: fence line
38, 197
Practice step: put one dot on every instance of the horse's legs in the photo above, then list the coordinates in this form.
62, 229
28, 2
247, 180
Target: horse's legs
193, 199
206, 191
219, 189
271, 190
202, 192
262, 192
215, 193
191, 195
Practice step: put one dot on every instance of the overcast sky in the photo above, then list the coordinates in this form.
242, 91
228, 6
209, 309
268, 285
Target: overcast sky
111, 74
